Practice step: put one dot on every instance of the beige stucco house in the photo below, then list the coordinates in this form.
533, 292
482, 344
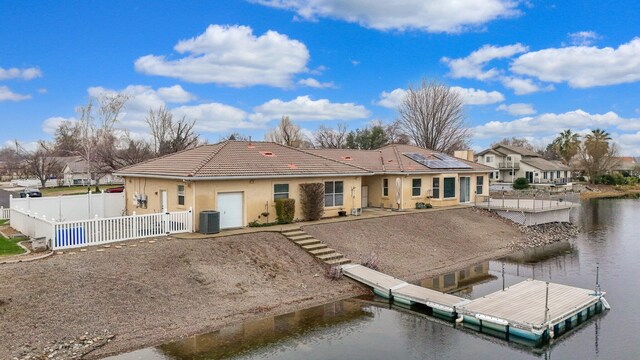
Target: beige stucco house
242, 179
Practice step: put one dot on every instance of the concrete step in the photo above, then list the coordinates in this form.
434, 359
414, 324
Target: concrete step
290, 230
307, 242
330, 256
314, 246
322, 251
293, 233
299, 237
340, 261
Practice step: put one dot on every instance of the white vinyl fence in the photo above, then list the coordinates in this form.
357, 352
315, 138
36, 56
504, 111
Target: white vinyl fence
73, 207
97, 231
5, 213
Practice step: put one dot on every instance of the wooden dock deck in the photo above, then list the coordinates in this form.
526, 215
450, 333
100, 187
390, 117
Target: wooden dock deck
522, 306
522, 309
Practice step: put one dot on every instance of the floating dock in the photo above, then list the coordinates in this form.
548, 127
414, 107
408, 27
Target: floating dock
533, 310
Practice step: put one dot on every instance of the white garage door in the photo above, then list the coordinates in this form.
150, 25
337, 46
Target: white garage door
231, 211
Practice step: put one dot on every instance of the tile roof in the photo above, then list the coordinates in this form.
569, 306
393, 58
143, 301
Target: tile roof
544, 165
390, 158
230, 159
516, 149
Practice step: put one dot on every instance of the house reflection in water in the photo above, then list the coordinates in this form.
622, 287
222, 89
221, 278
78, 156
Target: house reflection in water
461, 280
243, 337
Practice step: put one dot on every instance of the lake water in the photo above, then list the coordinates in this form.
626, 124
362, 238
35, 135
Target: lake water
368, 328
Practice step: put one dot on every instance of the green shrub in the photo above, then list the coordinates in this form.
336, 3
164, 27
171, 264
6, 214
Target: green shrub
312, 201
285, 210
611, 179
521, 184
581, 178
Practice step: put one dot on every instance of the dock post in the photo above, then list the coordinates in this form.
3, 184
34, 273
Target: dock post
503, 275
546, 305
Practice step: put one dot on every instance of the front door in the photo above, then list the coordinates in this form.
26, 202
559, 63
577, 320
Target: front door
163, 200
365, 197
230, 206
465, 189
529, 176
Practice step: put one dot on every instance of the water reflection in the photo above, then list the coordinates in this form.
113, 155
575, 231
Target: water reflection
244, 337
460, 280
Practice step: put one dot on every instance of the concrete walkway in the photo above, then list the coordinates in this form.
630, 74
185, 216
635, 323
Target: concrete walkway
367, 213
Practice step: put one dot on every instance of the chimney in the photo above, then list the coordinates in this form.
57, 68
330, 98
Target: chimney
465, 155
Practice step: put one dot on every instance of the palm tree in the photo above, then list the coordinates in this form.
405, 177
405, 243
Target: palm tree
597, 143
566, 145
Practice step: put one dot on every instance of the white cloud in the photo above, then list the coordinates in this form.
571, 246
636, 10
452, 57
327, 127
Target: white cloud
24, 74
522, 86
472, 66
471, 96
517, 109
583, 38
431, 16
303, 108
629, 144
7, 95
51, 124
392, 99
143, 98
233, 56
547, 124
311, 82
583, 66
216, 117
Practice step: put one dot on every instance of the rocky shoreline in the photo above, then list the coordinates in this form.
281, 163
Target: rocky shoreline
66, 349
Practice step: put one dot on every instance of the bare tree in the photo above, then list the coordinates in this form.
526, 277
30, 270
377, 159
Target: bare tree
170, 136
97, 130
395, 134
11, 161
41, 163
122, 150
286, 133
67, 139
515, 141
433, 117
329, 138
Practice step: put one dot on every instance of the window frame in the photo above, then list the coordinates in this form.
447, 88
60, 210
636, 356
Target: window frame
279, 193
444, 188
488, 159
334, 194
385, 187
479, 184
435, 188
414, 187
181, 195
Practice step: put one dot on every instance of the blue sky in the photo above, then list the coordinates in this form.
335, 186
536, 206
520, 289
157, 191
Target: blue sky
524, 68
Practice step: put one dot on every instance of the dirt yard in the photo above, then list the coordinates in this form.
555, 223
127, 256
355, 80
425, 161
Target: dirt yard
415, 246
153, 293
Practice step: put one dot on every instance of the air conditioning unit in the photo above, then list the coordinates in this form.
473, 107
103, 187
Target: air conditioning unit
209, 222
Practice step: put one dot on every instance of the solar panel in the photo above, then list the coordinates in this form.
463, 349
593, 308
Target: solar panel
442, 161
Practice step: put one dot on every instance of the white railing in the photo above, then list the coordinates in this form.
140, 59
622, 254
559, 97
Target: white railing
71, 234
5, 213
529, 202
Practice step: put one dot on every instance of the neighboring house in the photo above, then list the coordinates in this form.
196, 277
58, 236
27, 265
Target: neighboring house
627, 165
242, 179
512, 162
75, 172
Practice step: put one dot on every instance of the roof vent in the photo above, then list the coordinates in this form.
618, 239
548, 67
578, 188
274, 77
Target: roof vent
292, 166
267, 153
390, 160
347, 158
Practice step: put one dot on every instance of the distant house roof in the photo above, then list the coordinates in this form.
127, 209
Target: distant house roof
241, 159
509, 149
392, 159
626, 163
545, 165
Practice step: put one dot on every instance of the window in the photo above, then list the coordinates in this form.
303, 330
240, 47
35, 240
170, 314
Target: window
180, 194
385, 187
333, 193
280, 191
449, 187
479, 183
508, 158
566, 174
491, 176
558, 174
416, 187
488, 159
545, 175
436, 188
